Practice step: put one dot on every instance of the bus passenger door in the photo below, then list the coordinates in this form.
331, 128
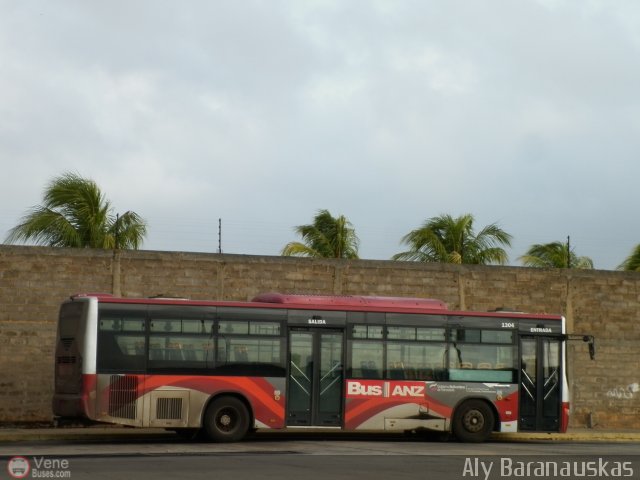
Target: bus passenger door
540, 383
315, 380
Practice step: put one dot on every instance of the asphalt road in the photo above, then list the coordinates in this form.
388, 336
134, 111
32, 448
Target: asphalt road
306, 457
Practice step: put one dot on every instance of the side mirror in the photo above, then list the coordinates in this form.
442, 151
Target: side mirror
590, 339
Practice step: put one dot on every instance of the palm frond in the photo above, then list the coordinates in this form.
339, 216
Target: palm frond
297, 249
632, 262
554, 255
326, 237
452, 240
75, 213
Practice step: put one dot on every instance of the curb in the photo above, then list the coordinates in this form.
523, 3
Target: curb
10, 435
596, 436
65, 434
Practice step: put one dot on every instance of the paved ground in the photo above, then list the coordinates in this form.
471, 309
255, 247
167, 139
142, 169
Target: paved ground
114, 453
322, 460
99, 432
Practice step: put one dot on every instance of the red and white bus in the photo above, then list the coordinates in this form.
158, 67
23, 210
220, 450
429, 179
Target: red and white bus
293, 361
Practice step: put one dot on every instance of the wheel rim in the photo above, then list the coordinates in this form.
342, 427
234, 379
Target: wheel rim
227, 420
473, 421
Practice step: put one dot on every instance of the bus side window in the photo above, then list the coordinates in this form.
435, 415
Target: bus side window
414, 360
366, 359
120, 344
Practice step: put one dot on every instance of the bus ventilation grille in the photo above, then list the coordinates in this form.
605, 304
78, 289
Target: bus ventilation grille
123, 393
169, 409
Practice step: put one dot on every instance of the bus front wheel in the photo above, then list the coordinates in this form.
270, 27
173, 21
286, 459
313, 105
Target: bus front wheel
473, 421
226, 420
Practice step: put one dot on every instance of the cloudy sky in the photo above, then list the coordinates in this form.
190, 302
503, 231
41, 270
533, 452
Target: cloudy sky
525, 113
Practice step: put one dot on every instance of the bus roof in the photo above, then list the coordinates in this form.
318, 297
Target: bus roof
351, 301
324, 302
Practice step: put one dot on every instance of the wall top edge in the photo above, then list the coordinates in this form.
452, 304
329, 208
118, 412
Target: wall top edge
8, 250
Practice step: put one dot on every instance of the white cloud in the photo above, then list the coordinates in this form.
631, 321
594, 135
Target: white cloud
441, 71
334, 92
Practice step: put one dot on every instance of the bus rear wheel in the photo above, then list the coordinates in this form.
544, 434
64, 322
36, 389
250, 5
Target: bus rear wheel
226, 420
473, 421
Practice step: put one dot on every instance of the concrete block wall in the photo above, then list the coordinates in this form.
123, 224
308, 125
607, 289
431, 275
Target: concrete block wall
34, 280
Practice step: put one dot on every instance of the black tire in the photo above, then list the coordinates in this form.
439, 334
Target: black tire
473, 421
226, 420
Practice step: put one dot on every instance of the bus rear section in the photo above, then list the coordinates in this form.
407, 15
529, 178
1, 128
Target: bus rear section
74, 362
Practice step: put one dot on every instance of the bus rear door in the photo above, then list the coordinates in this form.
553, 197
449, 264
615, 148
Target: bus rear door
540, 383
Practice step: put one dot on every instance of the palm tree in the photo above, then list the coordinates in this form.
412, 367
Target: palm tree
75, 213
453, 240
554, 255
326, 237
632, 262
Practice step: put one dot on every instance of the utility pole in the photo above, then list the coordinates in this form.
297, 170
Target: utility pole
220, 235
568, 251
117, 233
115, 266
